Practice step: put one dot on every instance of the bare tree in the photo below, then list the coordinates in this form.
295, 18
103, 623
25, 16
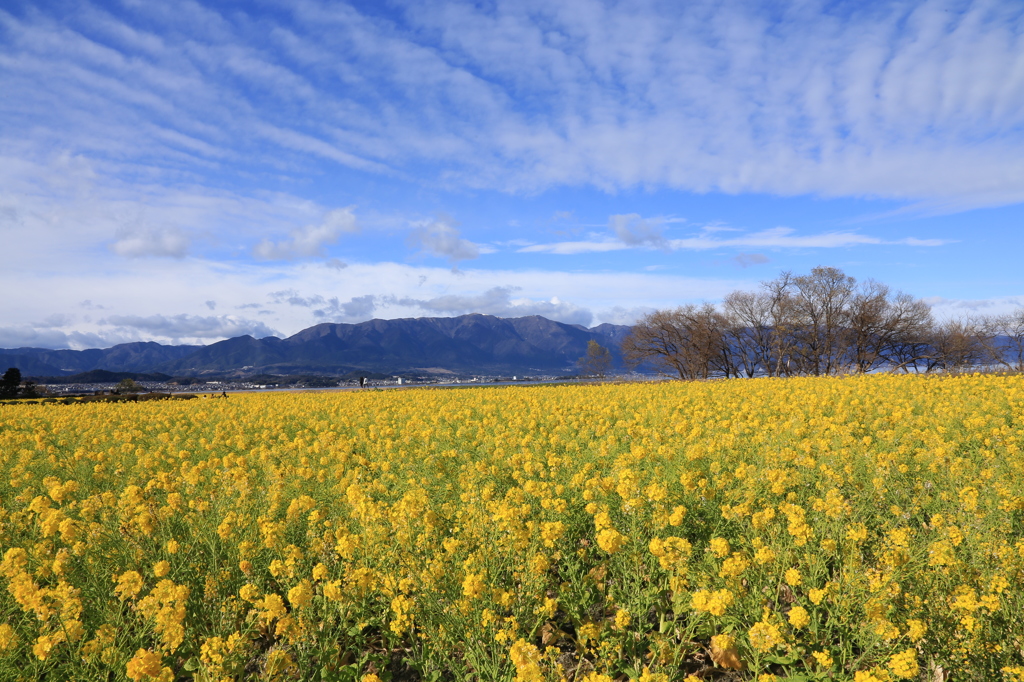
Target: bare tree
1004, 339
881, 327
907, 346
958, 345
1013, 330
688, 342
657, 340
783, 310
868, 326
710, 346
822, 306
819, 324
749, 331
597, 361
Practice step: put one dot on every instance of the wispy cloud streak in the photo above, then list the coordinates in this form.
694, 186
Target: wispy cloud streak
775, 238
905, 99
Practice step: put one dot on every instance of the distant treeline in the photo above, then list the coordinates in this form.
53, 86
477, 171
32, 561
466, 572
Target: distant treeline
824, 323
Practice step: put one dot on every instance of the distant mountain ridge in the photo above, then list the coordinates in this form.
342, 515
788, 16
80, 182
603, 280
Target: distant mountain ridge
141, 356
469, 344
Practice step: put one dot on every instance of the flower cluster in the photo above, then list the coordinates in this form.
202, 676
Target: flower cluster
864, 528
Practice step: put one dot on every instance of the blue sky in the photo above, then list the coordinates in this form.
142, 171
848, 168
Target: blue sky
188, 171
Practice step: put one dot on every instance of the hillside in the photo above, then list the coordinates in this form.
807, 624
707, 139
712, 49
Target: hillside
469, 344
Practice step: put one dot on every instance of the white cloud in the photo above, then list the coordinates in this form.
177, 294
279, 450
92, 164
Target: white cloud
745, 260
185, 326
950, 308
170, 242
625, 316
33, 337
577, 247
498, 301
357, 309
441, 238
291, 296
62, 209
309, 241
54, 321
633, 231
906, 100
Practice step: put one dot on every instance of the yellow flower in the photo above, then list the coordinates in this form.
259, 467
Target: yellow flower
714, 603
815, 595
548, 608
301, 595
596, 677
145, 665
866, 676
798, 617
724, 652
8, 637
402, 608
793, 577
129, 584
916, 630
764, 555
648, 676
526, 659
273, 607
824, 659
551, 531
588, 632
672, 552
857, 532
161, 568
623, 619
473, 585
904, 664
611, 540
44, 645
734, 566
720, 547
764, 636
332, 590
249, 592
15, 561
172, 546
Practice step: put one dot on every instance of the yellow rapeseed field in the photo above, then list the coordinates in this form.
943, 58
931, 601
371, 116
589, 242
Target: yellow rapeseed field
862, 529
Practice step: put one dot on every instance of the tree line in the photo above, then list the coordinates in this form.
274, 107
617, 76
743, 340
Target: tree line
823, 323
11, 385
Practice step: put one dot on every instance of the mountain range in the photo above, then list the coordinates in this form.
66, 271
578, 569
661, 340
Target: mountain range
469, 344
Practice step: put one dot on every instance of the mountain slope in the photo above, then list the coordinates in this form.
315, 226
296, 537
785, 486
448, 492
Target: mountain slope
140, 356
475, 343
